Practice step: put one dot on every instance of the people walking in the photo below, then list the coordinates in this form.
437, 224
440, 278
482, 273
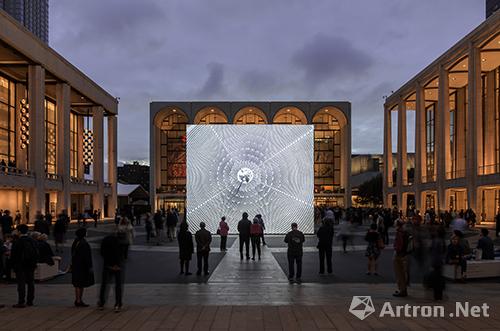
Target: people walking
158, 220
41, 224
186, 249
24, 256
148, 224
263, 226
113, 253
82, 273
95, 217
171, 224
223, 232
203, 240
60, 231
126, 228
295, 240
255, 234
400, 261
325, 243
345, 233
438, 251
244, 233
6, 223
375, 244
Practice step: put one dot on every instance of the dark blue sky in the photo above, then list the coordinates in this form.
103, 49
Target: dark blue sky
357, 51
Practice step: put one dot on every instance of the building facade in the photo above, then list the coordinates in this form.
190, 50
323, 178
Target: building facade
332, 141
52, 124
134, 173
456, 103
33, 14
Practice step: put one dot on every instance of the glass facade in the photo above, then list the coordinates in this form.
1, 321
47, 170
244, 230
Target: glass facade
50, 137
173, 153
73, 144
7, 122
327, 141
250, 118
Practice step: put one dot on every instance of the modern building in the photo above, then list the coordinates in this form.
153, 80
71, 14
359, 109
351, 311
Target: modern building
457, 128
134, 173
332, 141
491, 7
33, 14
52, 124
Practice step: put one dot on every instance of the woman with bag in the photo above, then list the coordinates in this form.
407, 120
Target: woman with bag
81, 266
375, 244
223, 230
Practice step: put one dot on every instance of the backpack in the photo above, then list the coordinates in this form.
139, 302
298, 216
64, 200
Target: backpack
30, 253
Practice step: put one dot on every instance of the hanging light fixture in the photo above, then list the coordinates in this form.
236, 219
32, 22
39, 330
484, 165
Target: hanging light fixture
25, 123
88, 147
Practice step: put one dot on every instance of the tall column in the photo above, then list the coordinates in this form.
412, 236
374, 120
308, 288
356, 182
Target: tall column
419, 142
473, 114
402, 172
63, 110
36, 149
346, 164
443, 165
79, 129
387, 155
460, 139
489, 125
98, 162
112, 163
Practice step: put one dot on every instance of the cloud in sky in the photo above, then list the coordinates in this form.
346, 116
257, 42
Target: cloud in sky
152, 50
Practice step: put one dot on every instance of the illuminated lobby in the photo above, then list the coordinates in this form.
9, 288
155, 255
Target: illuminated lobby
454, 102
56, 126
332, 143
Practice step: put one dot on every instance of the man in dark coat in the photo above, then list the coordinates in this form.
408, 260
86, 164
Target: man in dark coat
325, 242
244, 230
6, 223
185, 239
24, 255
41, 224
295, 239
113, 253
203, 239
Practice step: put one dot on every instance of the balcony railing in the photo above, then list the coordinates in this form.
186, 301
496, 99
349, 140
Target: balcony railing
83, 181
429, 178
13, 171
52, 176
489, 169
171, 189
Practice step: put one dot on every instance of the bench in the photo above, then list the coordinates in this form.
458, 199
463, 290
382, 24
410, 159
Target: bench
44, 271
475, 269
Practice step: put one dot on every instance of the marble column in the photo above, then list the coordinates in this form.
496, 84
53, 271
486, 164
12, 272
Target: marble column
474, 112
112, 163
442, 146
98, 162
402, 175
36, 100
346, 164
387, 155
63, 111
489, 125
419, 142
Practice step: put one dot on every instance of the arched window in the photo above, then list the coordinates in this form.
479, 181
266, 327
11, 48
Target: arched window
210, 115
290, 115
250, 115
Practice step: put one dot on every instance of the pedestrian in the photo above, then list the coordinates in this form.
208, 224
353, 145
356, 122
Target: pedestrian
325, 243
186, 249
497, 223
263, 226
223, 232
171, 224
113, 253
255, 234
203, 240
82, 273
456, 256
95, 216
345, 233
41, 224
375, 244
60, 231
438, 251
244, 233
148, 224
6, 223
24, 256
17, 220
129, 233
158, 220
400, 260
485, 244
295, 239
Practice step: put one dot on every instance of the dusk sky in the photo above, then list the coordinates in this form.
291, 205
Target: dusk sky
186, 50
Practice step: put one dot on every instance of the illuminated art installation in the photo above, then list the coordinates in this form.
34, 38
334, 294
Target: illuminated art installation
258, 169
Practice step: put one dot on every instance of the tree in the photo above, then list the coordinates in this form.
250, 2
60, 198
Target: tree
371, 190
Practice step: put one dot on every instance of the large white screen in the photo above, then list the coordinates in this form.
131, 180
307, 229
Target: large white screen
258, 169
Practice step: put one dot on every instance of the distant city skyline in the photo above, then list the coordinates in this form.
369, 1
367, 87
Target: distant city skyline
264, 50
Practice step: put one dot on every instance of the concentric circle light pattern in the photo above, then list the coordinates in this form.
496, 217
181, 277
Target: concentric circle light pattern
258, 169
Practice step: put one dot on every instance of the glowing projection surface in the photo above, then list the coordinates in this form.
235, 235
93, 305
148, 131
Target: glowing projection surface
258, 169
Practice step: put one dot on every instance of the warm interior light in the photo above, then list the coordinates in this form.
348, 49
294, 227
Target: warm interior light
174, 110
212, 110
